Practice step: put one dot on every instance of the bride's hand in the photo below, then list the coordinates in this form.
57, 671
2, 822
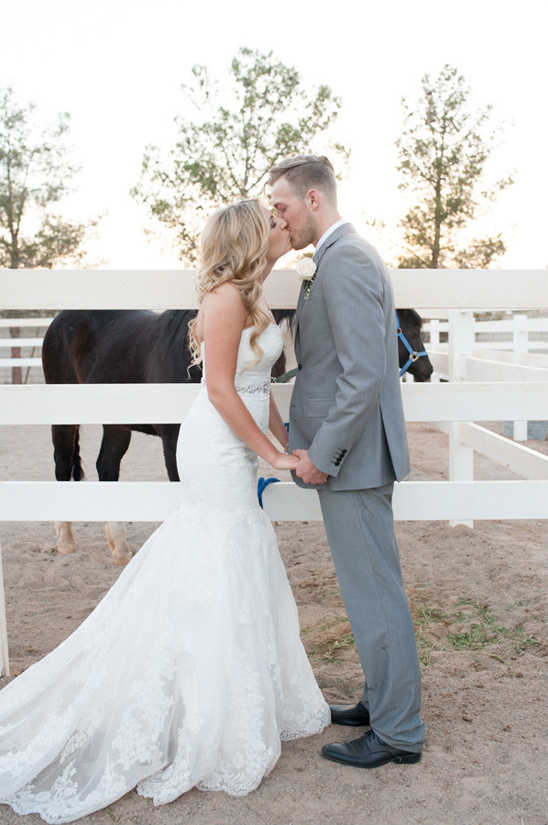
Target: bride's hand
285, 462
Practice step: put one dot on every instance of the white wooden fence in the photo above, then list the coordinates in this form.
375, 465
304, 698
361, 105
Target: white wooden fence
479, 390
21, 354
525, 339
526, 345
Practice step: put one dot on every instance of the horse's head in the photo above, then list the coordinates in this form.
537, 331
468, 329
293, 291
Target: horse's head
411, 347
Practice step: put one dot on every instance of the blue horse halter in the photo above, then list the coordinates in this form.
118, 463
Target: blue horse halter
413, 354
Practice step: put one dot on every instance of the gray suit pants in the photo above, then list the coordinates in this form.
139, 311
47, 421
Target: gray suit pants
360, 530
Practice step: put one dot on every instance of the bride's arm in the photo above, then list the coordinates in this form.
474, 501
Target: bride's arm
224, 316
276, 424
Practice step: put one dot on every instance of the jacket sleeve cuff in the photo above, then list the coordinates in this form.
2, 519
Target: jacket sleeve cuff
329, 464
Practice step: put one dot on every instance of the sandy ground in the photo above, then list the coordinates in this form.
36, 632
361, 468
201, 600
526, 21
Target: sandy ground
478, 600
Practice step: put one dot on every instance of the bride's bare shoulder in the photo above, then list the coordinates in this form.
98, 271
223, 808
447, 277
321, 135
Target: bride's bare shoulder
224, 305
225, 293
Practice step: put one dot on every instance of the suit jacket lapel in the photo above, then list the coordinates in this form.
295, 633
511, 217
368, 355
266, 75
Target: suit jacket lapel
300, 304
344, 229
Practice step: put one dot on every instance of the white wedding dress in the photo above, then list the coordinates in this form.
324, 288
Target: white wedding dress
190, 671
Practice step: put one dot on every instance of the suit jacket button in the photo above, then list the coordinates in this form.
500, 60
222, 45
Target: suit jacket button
300, 366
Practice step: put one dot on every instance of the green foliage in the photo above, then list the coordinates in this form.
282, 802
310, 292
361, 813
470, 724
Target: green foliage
471, 624
34, 176
442, 155
242, 128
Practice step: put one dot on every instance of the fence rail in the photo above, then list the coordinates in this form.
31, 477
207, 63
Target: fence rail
155, 500
167, 289
169, 403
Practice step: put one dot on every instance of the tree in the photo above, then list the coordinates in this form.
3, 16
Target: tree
35, 174
442, 156
226, 153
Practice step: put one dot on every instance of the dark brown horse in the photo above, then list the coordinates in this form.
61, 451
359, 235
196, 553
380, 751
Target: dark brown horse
133, 346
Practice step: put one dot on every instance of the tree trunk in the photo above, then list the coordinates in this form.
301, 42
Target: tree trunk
437, 225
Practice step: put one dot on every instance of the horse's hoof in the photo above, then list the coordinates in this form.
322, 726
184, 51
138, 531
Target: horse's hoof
121, 560
64, 548
117, 542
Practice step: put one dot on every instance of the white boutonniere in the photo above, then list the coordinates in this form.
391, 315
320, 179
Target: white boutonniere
306, 270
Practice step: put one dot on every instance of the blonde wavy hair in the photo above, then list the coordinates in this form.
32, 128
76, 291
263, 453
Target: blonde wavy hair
233, 248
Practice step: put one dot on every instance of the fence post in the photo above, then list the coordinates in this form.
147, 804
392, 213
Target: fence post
461, 344
520, 345
4, 651
16, 372
434, 341
434, 328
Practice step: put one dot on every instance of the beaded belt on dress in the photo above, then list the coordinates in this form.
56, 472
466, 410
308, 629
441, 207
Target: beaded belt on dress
251, 389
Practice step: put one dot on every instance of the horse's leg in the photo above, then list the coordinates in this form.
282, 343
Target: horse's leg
117, 542
67, 458
169, 433
113, 448
66, 543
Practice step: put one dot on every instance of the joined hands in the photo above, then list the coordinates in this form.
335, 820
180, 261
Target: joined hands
285, 462
301, 464
307, 471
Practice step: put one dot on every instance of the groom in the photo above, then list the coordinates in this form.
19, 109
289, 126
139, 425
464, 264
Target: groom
348, 429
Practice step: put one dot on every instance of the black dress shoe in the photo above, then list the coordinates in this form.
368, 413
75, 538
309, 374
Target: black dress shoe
368, 752
352, 715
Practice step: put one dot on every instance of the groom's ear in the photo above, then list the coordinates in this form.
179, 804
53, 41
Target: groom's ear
313, 197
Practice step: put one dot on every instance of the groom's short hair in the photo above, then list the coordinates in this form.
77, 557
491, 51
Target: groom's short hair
306, 172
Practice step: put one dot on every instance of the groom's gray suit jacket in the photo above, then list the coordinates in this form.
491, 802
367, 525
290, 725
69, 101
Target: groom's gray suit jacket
346, 408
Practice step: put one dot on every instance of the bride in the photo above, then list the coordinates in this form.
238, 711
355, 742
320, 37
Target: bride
190, 671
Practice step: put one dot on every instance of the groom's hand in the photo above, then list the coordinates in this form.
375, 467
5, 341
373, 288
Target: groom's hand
307, 471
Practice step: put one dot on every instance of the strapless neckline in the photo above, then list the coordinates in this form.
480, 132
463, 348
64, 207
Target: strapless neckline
248, 329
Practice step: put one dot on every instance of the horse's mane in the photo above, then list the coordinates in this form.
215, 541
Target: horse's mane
413, 316
175, 323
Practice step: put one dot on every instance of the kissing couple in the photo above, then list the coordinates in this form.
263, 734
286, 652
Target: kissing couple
190, 672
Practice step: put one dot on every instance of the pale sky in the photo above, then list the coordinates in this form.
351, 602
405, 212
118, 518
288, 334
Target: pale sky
117, 67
